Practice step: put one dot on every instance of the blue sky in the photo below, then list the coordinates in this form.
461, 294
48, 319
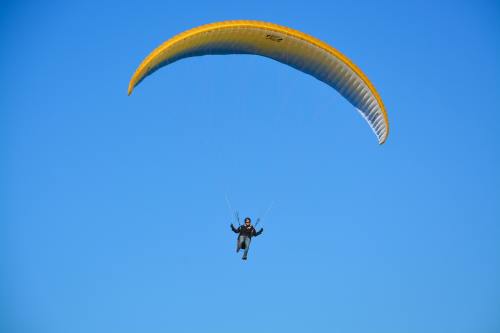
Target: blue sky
112, 207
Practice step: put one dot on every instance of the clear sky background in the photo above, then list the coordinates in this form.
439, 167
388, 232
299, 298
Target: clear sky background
112, 209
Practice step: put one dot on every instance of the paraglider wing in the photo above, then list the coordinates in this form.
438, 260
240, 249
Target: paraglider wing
288, 46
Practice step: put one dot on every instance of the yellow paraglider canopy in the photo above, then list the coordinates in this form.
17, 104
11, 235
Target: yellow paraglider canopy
294, 48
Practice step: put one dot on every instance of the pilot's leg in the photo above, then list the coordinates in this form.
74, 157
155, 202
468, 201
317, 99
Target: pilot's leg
247, 246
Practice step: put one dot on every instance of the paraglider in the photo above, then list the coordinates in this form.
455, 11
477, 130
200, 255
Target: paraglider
288, 46
245, 233
285, 45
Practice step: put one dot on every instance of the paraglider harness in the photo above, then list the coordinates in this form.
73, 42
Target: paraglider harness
245, 231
